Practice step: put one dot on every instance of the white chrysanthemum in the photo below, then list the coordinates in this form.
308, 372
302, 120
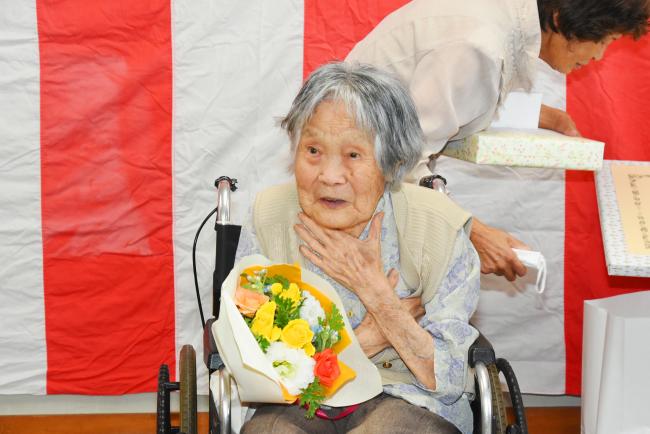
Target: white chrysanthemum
311, 310
296, 369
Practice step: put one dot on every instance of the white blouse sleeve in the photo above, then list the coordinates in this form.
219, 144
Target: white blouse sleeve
453, 86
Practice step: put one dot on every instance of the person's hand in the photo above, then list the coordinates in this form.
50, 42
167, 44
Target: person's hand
557, 120
370, 338
494, 247
354, 263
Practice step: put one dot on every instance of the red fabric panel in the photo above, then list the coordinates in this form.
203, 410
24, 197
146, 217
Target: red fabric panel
609, 102
106, 105
333, 27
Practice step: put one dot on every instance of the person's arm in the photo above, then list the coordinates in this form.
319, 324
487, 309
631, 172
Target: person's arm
447, 320
494, 247
401, 331
357, 265
370, 338
557, 120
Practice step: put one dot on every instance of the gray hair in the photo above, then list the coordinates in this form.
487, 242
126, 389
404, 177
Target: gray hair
380, 106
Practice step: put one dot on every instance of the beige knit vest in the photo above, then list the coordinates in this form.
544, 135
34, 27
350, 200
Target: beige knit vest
427, 224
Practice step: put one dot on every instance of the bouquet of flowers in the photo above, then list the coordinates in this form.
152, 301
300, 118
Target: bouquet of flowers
299, 330
282, 337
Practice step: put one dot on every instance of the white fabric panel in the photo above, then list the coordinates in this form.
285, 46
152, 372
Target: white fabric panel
23, 358
237, 67
525, 328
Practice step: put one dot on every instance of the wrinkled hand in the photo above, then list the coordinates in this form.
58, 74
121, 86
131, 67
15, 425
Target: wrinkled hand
494, 247
370, 338
354, 263
557, 120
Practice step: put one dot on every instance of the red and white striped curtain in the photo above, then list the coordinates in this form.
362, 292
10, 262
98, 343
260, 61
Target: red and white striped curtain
117, 116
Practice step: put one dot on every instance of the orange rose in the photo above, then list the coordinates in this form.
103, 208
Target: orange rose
248, 301
327, 367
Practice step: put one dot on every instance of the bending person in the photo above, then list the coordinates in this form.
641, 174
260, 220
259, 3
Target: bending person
460, 58
398, 254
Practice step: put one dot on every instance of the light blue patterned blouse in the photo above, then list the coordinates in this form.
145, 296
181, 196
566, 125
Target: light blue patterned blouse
446, 317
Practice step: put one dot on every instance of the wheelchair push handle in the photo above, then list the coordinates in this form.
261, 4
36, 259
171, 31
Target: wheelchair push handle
224, 186
227, 239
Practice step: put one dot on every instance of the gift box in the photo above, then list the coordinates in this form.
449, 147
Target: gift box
620, 261
528, 148
257, 380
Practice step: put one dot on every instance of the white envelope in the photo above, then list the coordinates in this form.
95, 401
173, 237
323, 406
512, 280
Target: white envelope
534, 280
256, 379
535, 277
615, 374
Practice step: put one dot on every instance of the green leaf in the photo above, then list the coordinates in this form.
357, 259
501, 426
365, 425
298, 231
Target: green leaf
335, 319
329, 333
325, 338
262, 342
285, 311
312, 397
278, 278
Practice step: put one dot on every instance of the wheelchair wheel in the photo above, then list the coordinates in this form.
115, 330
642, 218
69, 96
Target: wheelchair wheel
499, 417
163, 421
188, 390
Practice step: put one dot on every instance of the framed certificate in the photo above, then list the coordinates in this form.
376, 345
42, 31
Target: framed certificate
623, 189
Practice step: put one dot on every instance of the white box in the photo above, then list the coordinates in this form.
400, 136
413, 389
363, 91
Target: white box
528, 148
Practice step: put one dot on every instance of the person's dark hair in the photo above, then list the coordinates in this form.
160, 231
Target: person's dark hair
594, 20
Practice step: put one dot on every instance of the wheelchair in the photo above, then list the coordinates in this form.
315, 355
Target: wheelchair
488, 405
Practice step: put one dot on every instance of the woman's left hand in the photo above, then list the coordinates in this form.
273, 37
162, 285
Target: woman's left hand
557, 120
354, 263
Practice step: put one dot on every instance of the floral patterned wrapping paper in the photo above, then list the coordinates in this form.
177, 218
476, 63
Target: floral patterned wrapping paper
528, 148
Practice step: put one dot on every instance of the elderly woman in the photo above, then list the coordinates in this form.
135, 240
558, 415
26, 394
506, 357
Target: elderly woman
460, 59
399, 255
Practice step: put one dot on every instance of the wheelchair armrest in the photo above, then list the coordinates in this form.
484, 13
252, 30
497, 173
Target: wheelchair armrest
481, 351
210, 353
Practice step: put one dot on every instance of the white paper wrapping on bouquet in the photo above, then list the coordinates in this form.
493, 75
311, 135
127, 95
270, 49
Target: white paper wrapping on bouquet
615, 374
256, 379
528, 148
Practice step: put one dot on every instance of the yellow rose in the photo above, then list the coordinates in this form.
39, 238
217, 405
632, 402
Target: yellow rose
297, 333
263, 322
275, 333
276, 288
309, 349
292, 293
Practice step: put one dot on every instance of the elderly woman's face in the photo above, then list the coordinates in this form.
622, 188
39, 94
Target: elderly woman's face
339, 181
566, 55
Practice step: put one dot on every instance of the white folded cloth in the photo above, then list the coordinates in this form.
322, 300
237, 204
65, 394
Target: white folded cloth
535, 278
